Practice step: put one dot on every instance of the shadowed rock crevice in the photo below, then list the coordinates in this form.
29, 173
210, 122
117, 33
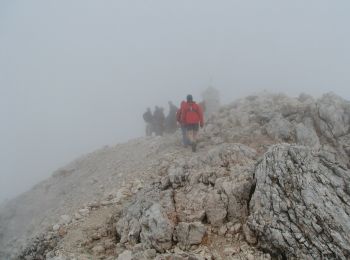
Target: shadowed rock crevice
251, 193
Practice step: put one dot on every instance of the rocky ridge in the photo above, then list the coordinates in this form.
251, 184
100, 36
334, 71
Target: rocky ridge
270, 181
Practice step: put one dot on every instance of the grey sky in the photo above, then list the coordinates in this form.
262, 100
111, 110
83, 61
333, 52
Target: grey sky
76, 75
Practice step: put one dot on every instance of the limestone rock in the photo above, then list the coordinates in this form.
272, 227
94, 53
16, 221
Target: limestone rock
190, 205
188, 234
280, 128
98, 250
300, 206
149, 219
306, 136
56, 227
334, 114
237, 190
126, 255
216, 208
84, 212
157, 228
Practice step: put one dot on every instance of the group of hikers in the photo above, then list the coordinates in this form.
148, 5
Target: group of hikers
189, 117
157, 123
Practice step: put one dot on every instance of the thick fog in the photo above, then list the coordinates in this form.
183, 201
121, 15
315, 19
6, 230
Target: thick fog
77, 75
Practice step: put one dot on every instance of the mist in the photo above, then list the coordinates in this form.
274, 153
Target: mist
77, 75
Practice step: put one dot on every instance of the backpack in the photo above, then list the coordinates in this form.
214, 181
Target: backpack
191, 113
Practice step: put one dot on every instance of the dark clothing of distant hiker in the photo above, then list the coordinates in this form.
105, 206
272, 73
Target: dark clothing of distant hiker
194, 127
192, 118
170, 121
148, 117
158, 121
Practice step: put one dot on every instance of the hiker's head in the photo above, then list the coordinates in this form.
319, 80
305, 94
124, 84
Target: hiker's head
189, 98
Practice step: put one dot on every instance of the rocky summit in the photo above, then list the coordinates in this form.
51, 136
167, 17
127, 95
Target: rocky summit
270, 180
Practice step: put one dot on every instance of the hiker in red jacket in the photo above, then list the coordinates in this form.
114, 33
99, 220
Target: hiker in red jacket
192, 118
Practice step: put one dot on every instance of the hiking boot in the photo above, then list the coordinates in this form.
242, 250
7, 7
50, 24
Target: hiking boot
194, 147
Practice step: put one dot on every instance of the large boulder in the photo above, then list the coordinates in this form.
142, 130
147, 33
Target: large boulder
301, 204
215, 206
334, 113
306, 136
188, 234
157, 228
280, 128
190, 204
149, 219
237, 189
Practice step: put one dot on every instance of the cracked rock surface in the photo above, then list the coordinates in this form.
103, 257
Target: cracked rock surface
301, 204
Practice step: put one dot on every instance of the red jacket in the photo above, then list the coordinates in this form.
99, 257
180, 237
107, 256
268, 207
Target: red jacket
191, 113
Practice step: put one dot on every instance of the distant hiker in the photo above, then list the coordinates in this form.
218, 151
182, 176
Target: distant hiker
158, 121
148, 117
185, 141
170, 120
192, 117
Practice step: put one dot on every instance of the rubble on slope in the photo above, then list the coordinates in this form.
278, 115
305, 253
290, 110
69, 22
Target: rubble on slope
262, 120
